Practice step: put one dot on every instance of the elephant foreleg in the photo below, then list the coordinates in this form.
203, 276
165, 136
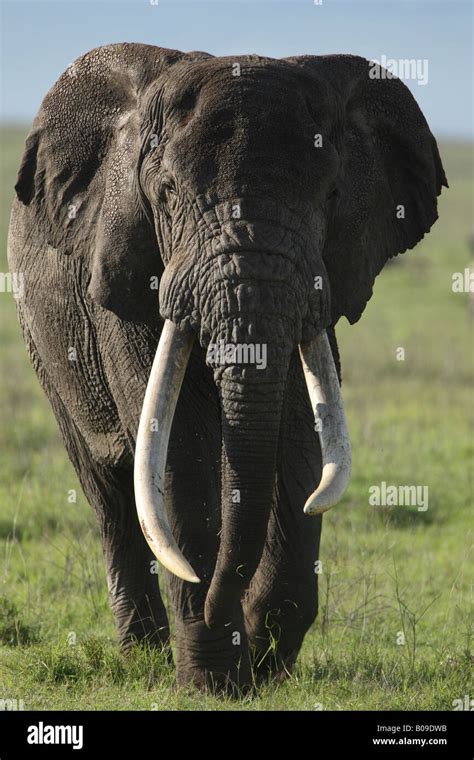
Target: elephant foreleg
138, 609
135, 595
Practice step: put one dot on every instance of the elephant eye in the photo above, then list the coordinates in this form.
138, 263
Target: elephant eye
167, 192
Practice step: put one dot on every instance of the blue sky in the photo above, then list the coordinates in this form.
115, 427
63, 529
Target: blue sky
39, 39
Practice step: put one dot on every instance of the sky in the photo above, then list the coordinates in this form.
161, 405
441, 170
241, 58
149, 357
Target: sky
40, 39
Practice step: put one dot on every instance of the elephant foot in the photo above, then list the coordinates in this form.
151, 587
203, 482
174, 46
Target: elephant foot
140, 625
155, 640
215, 661
275, 635
269, 666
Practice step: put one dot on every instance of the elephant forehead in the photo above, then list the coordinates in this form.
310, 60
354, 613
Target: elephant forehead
247, 83
242, 129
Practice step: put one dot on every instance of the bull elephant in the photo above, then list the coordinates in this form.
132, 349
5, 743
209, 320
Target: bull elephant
190, 229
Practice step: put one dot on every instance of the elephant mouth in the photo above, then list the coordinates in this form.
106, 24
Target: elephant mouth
156, 419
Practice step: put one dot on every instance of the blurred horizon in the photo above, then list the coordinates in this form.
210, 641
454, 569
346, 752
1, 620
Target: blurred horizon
435, 34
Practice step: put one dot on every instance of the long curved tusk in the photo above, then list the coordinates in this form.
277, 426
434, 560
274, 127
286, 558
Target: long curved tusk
330, 421
161, 396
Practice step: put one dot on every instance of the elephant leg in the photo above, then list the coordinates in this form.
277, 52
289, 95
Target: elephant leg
135, 597
134, 592
216, 659
282, 600
132, 579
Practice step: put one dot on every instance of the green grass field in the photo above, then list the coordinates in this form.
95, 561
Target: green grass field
388, 573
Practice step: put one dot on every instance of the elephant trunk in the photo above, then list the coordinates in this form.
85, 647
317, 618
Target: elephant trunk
251, 408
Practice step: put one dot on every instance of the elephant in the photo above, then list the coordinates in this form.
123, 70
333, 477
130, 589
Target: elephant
190, 229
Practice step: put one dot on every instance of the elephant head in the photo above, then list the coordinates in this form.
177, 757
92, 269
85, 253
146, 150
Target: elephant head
265, 196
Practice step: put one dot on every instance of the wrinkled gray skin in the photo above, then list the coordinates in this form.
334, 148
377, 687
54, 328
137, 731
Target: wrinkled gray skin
133, 169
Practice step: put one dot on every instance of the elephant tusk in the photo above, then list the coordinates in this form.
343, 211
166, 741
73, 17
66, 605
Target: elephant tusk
330, 421
161, 396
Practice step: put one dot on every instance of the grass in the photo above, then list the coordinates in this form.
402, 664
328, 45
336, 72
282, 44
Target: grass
393, 630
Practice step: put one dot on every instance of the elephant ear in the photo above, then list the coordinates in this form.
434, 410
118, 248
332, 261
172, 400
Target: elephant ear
78, 174
389, 180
